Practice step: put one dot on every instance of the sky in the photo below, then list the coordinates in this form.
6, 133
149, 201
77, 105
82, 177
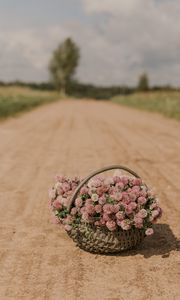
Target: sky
118, 39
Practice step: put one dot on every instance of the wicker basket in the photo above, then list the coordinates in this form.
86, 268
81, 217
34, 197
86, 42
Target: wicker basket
99, 239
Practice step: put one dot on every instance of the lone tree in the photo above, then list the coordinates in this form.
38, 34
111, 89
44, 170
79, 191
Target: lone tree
63, 64
143, 84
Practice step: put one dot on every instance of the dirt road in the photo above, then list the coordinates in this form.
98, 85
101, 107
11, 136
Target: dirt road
38, 260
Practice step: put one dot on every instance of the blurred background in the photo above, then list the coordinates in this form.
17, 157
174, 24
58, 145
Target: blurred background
108, 75
125, 51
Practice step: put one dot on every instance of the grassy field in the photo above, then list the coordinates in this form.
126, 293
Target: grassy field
166, 103
14, 100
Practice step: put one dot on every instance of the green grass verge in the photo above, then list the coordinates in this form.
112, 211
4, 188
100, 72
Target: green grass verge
166, 103
13, 101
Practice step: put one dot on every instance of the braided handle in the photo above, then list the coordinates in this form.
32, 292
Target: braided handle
74, 196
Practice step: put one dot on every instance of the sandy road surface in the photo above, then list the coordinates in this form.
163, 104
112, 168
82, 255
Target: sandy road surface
37, 259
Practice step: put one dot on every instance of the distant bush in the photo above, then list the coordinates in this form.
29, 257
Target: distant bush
81, 90
143, 84
42, 86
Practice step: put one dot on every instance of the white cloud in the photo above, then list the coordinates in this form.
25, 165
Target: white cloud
141, 35
25, 53
128, 37
112, 6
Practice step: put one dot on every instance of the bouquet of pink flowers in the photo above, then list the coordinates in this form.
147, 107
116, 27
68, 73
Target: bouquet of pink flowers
119, 202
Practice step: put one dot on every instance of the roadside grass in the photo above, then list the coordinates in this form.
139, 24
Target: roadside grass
166, 103
14, 100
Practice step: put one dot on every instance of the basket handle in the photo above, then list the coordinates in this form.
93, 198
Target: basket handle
84, 181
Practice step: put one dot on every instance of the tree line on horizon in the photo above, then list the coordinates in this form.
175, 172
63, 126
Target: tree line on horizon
62, 67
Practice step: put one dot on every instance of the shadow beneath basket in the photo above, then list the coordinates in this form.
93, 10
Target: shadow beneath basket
162, 242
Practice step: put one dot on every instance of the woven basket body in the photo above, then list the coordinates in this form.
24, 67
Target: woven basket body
99, 239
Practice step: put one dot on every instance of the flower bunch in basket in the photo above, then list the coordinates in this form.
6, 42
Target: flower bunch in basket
119, 202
